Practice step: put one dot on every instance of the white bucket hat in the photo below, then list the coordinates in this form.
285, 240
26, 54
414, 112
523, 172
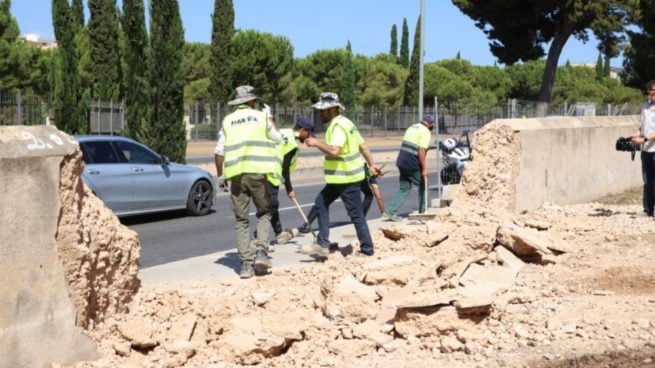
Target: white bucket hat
327, 100
243, 95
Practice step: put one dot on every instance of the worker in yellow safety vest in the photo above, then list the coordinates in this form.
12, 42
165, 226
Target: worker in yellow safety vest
245, 156
343, 168
412, 166
287, 152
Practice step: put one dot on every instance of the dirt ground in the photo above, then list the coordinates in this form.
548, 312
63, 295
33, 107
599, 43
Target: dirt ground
474, 286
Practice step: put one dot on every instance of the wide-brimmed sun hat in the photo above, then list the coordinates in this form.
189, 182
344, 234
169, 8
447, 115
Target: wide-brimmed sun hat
327, 100
243, 95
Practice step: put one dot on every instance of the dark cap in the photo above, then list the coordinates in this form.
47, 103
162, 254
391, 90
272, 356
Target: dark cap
305, 123
429, 118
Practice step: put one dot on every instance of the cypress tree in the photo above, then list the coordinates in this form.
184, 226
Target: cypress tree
348, 88
403, 58
411, 83
222, 32
393, 49
136, 68
599, 67
77, 9
105, 60
69, 112
8, 33
166, 132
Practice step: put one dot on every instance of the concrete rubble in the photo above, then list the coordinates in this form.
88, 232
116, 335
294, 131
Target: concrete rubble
476, 286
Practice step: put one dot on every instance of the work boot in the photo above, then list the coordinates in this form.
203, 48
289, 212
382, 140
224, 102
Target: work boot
284, 236
304, 229
246, 270
262, 261
315, 249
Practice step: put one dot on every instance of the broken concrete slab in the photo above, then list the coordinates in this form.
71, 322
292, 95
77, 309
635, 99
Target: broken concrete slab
522, 241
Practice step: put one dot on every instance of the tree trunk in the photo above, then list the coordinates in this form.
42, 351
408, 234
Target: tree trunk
554, 52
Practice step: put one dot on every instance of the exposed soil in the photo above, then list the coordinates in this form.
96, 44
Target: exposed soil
448, 293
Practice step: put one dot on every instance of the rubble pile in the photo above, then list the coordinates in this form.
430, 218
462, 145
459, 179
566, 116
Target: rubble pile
475, 287
99, 255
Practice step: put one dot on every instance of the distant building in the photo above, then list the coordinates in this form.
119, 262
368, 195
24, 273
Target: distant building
36, 40
614, 72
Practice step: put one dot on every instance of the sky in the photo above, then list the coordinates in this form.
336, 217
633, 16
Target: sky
316, 25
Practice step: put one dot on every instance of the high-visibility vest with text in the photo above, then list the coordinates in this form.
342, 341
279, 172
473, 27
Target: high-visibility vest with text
247, 146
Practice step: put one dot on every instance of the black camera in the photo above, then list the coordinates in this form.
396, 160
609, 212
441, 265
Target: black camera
625, 144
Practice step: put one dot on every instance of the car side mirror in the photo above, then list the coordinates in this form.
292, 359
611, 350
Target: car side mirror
165, 160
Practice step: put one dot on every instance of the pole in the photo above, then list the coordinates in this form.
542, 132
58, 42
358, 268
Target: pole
438, 151
420, 71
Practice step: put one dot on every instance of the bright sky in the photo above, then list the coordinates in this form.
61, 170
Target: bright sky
316, 25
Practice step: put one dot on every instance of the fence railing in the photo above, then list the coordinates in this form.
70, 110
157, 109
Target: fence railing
203, 120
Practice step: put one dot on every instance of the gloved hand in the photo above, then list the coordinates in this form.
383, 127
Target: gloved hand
222, 184
267, 109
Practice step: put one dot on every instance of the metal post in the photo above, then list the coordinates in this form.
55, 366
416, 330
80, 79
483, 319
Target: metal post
386, 120
420, 71
195, 117
19, 109
438, 151
111, 116
98, 115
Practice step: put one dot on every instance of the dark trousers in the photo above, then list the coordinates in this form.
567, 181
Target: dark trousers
352, 200
648, 171
366, 203
273, 192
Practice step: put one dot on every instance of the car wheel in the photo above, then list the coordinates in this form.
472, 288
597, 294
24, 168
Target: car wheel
200, 198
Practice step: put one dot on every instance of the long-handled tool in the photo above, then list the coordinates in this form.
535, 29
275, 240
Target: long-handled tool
302, 213
425, 192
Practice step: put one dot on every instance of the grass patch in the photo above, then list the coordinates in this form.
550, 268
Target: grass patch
629, 197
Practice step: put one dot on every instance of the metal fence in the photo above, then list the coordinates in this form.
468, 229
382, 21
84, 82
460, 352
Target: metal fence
203, 119
18, 108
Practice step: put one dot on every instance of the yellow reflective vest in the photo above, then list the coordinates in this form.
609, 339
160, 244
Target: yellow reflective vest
287, 145
247, 146
348, 166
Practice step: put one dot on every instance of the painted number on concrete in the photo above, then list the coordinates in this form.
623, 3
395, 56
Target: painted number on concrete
35, 143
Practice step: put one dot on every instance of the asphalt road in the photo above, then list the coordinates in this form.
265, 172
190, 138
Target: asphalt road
174, 236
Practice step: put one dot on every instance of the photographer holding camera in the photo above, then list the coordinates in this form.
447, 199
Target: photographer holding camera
646, 137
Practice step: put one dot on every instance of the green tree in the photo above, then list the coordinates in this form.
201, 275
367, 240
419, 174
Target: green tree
222, 33
136, 56
77, 9
263, 61
166, 132
348, 90
526, 79
382, 83
196, 61
545, 22
494, 80
403, 58
105, 56
599, 67
8, 33
411, 84
325, 68
69, 112
393, 48
606, 66
639, 58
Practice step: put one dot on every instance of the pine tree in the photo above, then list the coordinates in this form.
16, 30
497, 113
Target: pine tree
166, 131
69, 112
348, 89
103, 36
77, 9
404, 45
410, 97
393, 49
222, 32
136, 69
599, 67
